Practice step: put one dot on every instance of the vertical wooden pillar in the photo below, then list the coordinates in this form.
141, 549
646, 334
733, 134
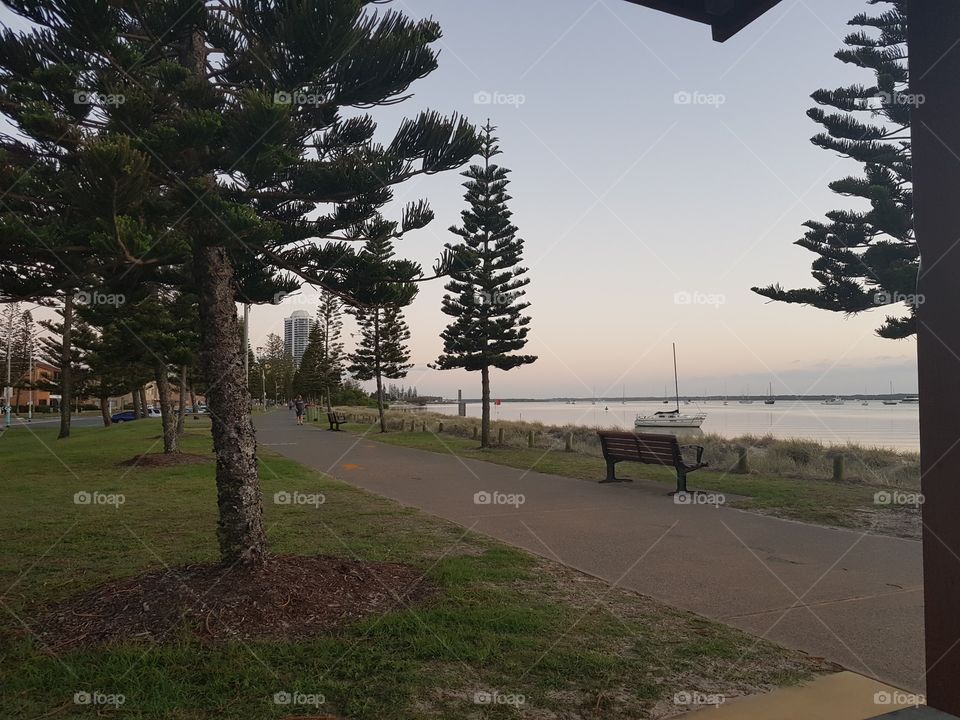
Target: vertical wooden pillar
934, 52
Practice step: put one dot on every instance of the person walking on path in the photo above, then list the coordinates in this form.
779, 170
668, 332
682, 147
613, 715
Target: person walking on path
298, 405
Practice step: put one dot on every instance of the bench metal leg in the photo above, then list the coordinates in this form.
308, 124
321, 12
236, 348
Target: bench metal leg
611, 474
681, 481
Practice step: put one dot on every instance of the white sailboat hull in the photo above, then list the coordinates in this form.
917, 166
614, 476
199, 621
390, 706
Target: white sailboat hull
673, 421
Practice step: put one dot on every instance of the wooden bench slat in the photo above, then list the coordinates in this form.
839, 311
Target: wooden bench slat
646, 448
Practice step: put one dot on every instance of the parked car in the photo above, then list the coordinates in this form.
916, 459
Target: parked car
153, 412
123, 416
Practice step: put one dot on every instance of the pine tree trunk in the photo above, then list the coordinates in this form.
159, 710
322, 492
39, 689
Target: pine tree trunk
105, 411
136, 402
182, 411
485, 402
240, 526
167, 419
143, 400
376, 368
66, 365
193, 403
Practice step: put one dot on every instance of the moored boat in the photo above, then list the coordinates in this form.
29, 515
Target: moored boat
671, 418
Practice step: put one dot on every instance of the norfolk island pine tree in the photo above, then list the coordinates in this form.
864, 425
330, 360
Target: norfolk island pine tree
867, 258
382, 350
237, 160
322, 365
388, 284
485, 296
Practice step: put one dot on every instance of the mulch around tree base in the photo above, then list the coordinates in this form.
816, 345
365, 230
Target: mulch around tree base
155, 460
288, 597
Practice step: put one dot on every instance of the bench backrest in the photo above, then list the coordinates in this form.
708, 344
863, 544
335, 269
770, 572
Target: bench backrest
649, 448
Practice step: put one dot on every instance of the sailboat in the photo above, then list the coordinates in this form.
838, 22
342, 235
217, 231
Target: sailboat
671, 418
770, 399
744, 400
890, 401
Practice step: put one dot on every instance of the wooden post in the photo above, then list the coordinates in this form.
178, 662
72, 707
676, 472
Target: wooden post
474, 432
935, 127
440, 427
530, 439
500, 436
568, 445
424, 426
743, 464
838, 467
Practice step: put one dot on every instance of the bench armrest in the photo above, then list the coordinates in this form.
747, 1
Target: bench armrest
698, 448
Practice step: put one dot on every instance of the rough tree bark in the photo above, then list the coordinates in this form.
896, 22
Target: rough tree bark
240, 526
66, 365
182, 410
376, 368
485, 417
136, 402
105, 410
167, 418
142, 391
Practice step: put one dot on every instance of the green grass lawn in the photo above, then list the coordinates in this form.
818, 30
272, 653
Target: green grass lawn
501, 621
817, 501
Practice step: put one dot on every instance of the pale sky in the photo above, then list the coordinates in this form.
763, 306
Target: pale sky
650, 165
626, 198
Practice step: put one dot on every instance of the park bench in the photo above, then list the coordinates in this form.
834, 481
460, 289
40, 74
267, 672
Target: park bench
335, 420
650, 449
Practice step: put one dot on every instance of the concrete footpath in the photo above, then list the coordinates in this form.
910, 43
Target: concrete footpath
850, 597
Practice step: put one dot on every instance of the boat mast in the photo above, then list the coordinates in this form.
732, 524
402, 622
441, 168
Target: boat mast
676, 381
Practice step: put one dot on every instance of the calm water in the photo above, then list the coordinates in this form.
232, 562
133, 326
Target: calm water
893, 426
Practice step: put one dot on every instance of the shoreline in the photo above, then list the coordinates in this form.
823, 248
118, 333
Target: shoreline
816, 428
869, 489
798, 458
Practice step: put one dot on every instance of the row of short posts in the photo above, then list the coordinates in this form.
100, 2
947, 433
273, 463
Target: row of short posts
531, 436
741, 468
743, 464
